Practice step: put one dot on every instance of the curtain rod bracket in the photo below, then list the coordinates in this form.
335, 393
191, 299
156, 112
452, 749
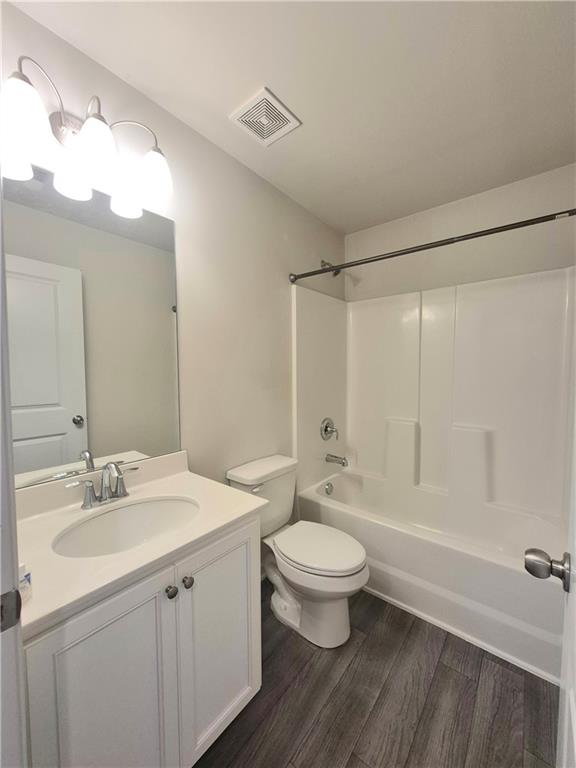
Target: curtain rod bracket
328, 265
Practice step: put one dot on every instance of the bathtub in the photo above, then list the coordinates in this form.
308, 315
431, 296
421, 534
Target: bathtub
461, 569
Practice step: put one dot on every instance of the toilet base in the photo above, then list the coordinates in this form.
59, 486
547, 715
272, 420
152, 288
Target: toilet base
325, 624
314, 606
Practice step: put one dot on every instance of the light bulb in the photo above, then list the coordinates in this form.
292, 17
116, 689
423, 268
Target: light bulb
97, 151
70, 177
126, 195
26, 133
156, 179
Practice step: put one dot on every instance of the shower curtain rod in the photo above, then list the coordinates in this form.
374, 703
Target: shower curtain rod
335, 268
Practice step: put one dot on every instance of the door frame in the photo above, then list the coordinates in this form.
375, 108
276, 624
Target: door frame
13, 732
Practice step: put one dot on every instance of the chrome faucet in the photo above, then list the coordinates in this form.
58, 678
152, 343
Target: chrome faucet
87, 457
331, 459
112, 471
108, 492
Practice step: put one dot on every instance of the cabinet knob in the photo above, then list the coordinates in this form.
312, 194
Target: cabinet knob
188, 582
171, 592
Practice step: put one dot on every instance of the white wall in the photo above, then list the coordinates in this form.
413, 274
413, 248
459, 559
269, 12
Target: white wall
465, 391
237, 239
541, 247
128, 291
319, 380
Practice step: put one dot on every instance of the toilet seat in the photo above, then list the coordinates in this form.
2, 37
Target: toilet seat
319, 550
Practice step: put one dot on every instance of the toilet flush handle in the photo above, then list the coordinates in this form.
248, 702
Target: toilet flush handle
256, 489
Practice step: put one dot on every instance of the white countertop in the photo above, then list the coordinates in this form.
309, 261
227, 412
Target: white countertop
61, 586
48, 474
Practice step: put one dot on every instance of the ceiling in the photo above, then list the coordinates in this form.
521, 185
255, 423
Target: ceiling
404, 106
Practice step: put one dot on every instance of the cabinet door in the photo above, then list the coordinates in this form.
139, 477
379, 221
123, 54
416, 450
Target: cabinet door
219, 637
102, 688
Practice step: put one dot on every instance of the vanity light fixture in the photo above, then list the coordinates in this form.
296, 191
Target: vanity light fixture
150, 174
82, 153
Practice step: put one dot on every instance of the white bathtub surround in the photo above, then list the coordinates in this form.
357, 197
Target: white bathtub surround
458, 429
64, 585
469, 394
318, 380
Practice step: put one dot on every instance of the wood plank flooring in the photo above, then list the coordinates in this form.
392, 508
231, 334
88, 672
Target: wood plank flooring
401, 693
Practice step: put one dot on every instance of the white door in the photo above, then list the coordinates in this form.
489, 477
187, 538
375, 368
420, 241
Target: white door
47, 376
567, 715
219, 637
103, 688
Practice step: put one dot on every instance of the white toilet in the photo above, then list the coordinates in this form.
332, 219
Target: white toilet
314, 568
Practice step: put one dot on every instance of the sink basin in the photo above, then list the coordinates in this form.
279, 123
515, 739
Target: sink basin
121, 528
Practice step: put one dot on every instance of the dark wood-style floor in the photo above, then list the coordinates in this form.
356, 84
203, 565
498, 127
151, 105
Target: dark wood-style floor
401, 693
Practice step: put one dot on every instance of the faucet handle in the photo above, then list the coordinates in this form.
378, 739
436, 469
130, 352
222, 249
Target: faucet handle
121, 490
90, 497
328, 429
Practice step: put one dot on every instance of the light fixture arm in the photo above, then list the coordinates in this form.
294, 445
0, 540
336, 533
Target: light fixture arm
21, 60
141, 125
95, 100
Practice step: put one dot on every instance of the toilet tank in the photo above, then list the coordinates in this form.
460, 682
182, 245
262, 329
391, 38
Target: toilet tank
272, 478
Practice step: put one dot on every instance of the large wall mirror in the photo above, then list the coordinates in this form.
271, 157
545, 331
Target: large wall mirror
92, 332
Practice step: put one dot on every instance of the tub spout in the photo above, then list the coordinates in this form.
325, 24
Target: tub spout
331, 459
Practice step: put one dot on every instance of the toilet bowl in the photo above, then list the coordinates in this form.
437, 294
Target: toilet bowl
313, 568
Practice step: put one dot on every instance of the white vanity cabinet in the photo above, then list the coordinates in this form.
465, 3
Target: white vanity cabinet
143, 679
218, 639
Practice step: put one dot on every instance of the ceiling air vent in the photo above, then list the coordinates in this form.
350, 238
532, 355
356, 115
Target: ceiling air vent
265, 118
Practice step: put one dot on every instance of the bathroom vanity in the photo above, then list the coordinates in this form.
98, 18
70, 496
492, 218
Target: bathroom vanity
139, 656
142, 625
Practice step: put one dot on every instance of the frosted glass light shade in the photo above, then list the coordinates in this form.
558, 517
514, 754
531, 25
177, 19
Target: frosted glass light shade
126, 195
97, 152
23, 111
26, 132
156, 179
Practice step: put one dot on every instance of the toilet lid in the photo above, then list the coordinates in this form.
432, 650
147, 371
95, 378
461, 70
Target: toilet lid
320, 549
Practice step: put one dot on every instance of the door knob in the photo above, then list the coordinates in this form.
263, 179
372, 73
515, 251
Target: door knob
539, 564
171, 592
78, 420
188, 582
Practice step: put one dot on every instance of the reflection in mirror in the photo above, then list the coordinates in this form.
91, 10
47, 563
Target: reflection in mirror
92, 332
